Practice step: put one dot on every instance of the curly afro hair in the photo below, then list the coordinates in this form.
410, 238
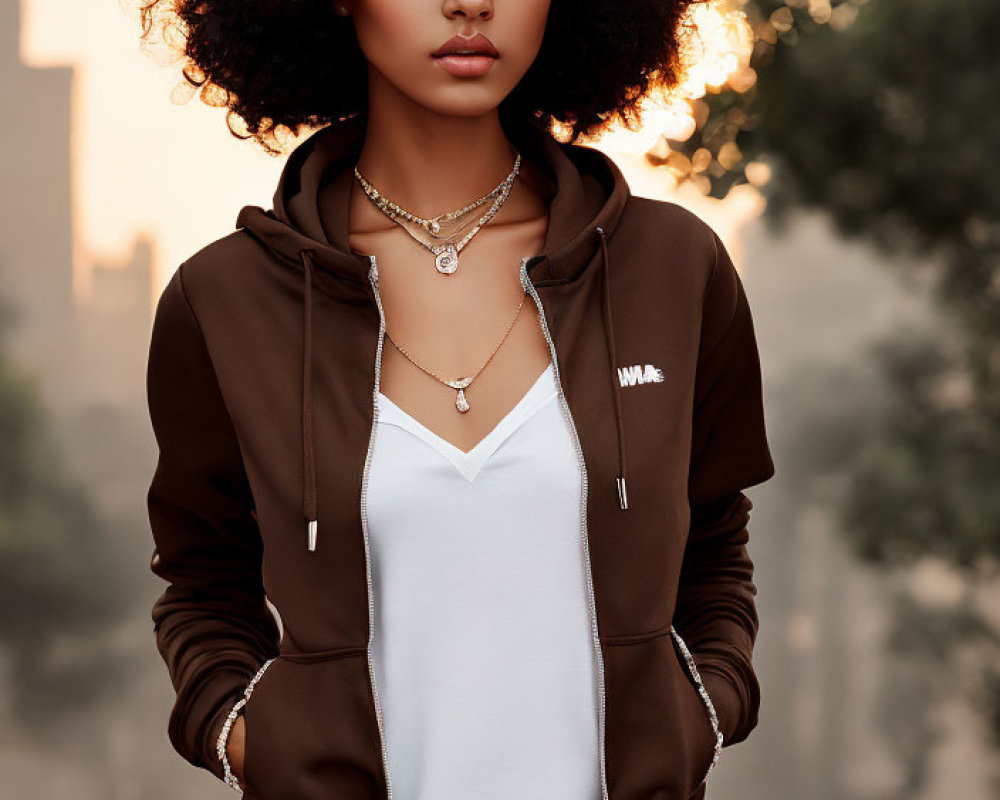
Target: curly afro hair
277, 65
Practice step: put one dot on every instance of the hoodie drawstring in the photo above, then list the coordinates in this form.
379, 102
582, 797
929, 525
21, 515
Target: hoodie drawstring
615, 381
308, 447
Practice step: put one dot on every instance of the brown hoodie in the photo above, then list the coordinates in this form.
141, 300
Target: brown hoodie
262, 384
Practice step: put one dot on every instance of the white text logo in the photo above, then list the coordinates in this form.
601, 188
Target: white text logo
639, 373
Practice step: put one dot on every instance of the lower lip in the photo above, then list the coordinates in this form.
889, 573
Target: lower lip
466, 66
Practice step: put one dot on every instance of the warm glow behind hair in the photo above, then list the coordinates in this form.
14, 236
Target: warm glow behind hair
277, 65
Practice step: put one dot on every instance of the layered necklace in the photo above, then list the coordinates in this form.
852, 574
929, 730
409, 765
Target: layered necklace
444, 229
443, 236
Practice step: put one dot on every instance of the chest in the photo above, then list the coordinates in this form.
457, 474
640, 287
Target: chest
474, 330
350, 359
531, 445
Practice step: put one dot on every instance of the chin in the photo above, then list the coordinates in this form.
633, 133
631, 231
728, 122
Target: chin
464, 101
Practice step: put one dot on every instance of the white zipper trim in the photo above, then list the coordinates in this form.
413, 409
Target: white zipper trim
373, 278
705, 699
223, 740
564, 406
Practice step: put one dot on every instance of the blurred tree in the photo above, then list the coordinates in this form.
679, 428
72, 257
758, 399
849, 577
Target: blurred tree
879, 112
61, 575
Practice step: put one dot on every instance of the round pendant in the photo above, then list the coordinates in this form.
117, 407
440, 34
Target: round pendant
447, 260
460, 402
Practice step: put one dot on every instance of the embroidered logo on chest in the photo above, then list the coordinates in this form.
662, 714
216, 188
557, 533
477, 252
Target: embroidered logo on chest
640, 373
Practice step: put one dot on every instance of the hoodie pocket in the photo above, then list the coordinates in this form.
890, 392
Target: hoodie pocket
311, 731
249, 712
711, 722
660, 741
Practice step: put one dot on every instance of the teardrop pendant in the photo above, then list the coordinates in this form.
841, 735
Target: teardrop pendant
460, 402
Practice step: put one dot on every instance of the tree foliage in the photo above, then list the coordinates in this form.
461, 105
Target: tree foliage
882, 113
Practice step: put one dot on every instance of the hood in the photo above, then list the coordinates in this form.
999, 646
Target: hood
307, 227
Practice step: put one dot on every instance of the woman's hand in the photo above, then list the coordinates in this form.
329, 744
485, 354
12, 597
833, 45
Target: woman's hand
235, 747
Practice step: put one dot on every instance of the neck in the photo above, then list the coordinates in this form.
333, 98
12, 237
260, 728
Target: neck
429, 162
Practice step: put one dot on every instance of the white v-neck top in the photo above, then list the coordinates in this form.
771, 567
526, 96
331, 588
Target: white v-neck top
482, 648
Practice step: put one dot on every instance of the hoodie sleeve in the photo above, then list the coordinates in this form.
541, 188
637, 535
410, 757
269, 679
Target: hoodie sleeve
716, 612
212, 626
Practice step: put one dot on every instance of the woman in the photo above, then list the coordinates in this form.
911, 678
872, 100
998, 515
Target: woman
442, 513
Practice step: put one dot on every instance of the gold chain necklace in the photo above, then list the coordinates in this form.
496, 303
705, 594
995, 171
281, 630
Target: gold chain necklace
461, 384
446, 255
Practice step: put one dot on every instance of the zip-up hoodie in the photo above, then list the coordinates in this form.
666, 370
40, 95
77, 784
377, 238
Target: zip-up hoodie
262, 384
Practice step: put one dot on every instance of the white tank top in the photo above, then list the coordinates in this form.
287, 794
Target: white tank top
482, 648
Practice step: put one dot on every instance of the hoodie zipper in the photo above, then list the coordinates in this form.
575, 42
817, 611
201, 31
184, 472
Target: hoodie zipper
584, 541
373, 278
592, 605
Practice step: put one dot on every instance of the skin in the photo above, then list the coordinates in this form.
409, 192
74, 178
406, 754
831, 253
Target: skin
434, 143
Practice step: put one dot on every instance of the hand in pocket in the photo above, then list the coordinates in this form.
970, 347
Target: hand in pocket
235, 748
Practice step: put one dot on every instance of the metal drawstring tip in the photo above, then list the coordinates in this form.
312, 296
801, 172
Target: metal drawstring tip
312, 534
622, 493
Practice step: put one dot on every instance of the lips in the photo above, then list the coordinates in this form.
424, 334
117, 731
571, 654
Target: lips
477, 45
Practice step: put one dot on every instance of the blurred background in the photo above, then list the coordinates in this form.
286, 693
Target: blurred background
846, 153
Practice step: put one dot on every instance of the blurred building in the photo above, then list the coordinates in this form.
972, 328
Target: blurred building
83, 350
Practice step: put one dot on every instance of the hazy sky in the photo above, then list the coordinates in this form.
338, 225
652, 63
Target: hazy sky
136, 153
